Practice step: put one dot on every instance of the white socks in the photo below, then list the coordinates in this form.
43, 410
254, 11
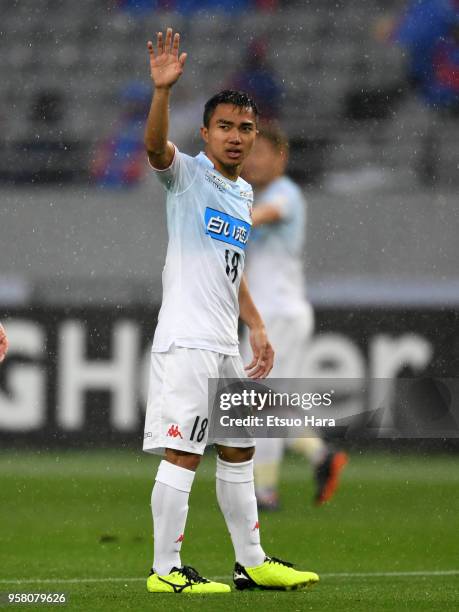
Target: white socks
269, 456
236, 498
314, 449
267, 462
169, 503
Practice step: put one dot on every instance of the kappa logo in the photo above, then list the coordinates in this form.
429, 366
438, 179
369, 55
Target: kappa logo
174, 432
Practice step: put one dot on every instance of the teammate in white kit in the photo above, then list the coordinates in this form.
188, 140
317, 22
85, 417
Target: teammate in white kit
276, 278
208, 220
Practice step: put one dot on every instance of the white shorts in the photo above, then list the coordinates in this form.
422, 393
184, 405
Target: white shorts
178, 404
290, 337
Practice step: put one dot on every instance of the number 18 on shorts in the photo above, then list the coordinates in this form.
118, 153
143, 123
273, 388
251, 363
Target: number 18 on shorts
177, 414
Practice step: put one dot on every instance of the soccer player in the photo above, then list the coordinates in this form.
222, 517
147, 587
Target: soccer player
275, 275
3, 343
208, 220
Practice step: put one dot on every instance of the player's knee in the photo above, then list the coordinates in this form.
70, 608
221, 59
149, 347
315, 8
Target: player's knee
183, 459
235, 455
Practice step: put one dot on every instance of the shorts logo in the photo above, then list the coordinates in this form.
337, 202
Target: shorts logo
256, 526
174, 432
179, 539
224, 227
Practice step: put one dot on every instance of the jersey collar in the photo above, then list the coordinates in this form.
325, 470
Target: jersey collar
203, 159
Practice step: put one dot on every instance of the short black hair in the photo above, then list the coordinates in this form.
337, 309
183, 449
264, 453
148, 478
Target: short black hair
228, 96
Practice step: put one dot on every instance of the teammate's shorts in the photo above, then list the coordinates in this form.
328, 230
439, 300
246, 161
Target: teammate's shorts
290, 336
177, 414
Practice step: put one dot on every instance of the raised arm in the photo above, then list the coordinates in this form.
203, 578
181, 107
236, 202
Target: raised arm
263, 354
166, 67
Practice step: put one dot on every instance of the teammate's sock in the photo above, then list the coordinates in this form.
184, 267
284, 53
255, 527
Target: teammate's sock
169, 504
266, 477
267, 461
314, 449
236, 498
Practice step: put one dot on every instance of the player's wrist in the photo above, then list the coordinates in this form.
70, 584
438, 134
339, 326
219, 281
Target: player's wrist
162, 89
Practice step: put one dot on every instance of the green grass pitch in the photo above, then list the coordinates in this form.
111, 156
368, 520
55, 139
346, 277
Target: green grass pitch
80, 523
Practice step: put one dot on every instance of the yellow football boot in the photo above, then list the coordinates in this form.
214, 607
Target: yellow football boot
184, 580
272, 574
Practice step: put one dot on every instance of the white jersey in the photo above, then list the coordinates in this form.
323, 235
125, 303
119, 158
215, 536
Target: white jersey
275, 254
208, 221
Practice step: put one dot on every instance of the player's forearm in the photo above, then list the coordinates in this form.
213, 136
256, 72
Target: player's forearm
157, 128
264, 214
247, 310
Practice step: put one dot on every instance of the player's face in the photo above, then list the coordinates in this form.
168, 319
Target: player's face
264, 164
229, 138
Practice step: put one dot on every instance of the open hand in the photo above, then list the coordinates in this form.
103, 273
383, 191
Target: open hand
3, 343
263, 354
165, 64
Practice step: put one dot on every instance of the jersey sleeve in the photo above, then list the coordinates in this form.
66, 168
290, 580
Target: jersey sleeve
282, 199
281, 203
179, 175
